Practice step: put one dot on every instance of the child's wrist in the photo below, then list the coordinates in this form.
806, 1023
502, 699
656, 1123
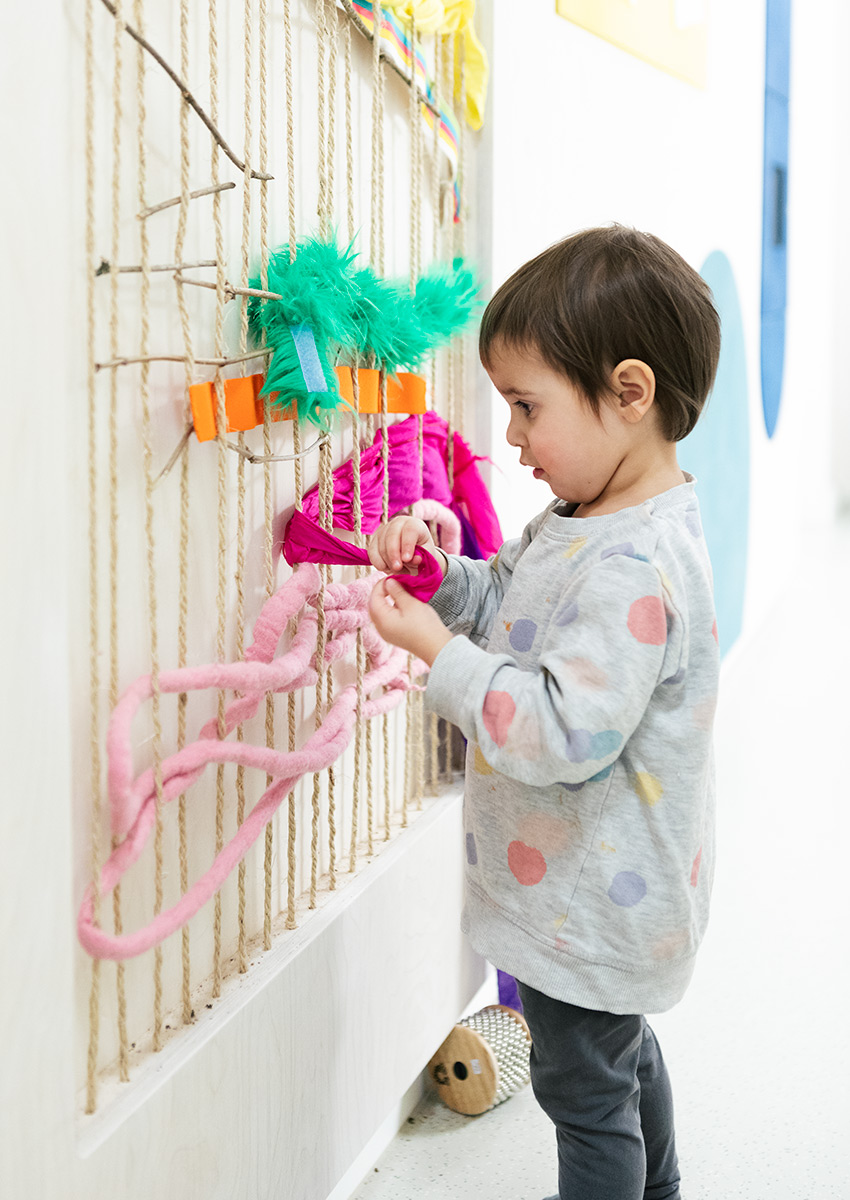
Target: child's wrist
435, 644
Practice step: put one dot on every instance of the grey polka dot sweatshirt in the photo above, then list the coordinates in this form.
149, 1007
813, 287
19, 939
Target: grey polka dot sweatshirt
584, 677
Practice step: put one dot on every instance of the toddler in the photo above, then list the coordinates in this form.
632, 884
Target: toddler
581, 664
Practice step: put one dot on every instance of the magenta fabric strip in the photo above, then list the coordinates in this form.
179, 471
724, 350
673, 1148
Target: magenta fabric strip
305, 541
410, 482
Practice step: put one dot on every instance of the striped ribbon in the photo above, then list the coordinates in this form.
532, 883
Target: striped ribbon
396, 45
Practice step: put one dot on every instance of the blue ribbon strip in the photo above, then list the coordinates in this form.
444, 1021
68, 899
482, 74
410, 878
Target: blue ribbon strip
308, 357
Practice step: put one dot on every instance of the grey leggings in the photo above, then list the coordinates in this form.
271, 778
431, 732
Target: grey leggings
603, 1082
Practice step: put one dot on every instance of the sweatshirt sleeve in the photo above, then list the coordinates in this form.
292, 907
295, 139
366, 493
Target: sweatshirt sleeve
472, 591
567, 720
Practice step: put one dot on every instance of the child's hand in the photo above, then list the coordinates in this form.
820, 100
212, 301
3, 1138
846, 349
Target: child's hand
406, 622
392, 547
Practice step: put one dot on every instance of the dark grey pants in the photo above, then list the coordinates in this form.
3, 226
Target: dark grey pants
603, 1082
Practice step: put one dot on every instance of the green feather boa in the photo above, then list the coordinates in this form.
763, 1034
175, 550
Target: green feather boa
355, 315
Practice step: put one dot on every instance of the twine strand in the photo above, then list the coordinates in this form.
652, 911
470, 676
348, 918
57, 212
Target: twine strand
94, 631
248, 52
117, 119
150, 529
292, 829
268, 492
349, 141
222, 506
322, 206
183, 570
360, 657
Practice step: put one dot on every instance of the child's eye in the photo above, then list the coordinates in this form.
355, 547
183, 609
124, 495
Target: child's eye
522, 406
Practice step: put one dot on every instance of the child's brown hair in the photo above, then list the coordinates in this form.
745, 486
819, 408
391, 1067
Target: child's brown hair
605, 295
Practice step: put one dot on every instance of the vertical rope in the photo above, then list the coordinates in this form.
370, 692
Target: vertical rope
94, 632
460, 230
322, 206
221, 433
292, 832
150, 533
117, 118
248, 51
450, 85
413, 255
321, 632
326, 509
376, 253
416, 708
290, 136
349, 146
320, 659
451, 66
378, 257
360, 664
440, 89
413, 114
333, 46
385, 512
296, 445
436, 203
333, 39
183, 571
268, 496
376, 245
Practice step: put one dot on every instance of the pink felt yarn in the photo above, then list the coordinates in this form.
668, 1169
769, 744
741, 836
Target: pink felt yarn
411, 481
132, 799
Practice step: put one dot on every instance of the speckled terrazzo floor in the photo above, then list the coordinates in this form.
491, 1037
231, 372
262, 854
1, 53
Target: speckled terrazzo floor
759, 1050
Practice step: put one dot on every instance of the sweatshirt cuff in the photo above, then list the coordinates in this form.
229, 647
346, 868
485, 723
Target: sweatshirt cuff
450, 597
459, 680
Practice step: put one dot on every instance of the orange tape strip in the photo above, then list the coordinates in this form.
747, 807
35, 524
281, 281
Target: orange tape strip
243, 405
405, 391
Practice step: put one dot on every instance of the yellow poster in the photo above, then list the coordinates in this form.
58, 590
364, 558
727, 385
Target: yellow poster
670, 34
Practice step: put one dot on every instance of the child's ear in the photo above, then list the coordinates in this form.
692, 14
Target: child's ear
634, 384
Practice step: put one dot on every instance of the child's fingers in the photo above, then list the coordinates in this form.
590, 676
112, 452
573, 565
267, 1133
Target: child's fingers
381, 552
400, 541
393, 546
375, 552
413, 534
380, 609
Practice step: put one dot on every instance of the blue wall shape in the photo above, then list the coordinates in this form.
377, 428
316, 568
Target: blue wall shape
774, 256
717, 452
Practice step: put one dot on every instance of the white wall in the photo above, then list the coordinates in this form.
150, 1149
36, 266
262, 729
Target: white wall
584, 133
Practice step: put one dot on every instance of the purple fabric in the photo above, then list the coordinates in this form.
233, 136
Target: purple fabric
469, 545
508, 991
305, 541
469, 499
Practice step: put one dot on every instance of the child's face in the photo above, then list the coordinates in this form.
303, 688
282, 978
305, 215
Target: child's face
557, 433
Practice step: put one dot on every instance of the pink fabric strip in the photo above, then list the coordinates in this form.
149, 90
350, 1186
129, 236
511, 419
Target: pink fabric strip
133, 800
305, 541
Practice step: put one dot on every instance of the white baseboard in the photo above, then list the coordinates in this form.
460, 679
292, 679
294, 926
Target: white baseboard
386, 1133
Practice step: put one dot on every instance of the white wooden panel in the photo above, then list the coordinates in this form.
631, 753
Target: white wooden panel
276, 1090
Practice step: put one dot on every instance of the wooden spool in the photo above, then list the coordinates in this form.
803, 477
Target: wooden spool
483, 1061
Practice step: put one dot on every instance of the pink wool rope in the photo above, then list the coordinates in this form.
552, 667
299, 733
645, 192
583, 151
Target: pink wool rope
133, 800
